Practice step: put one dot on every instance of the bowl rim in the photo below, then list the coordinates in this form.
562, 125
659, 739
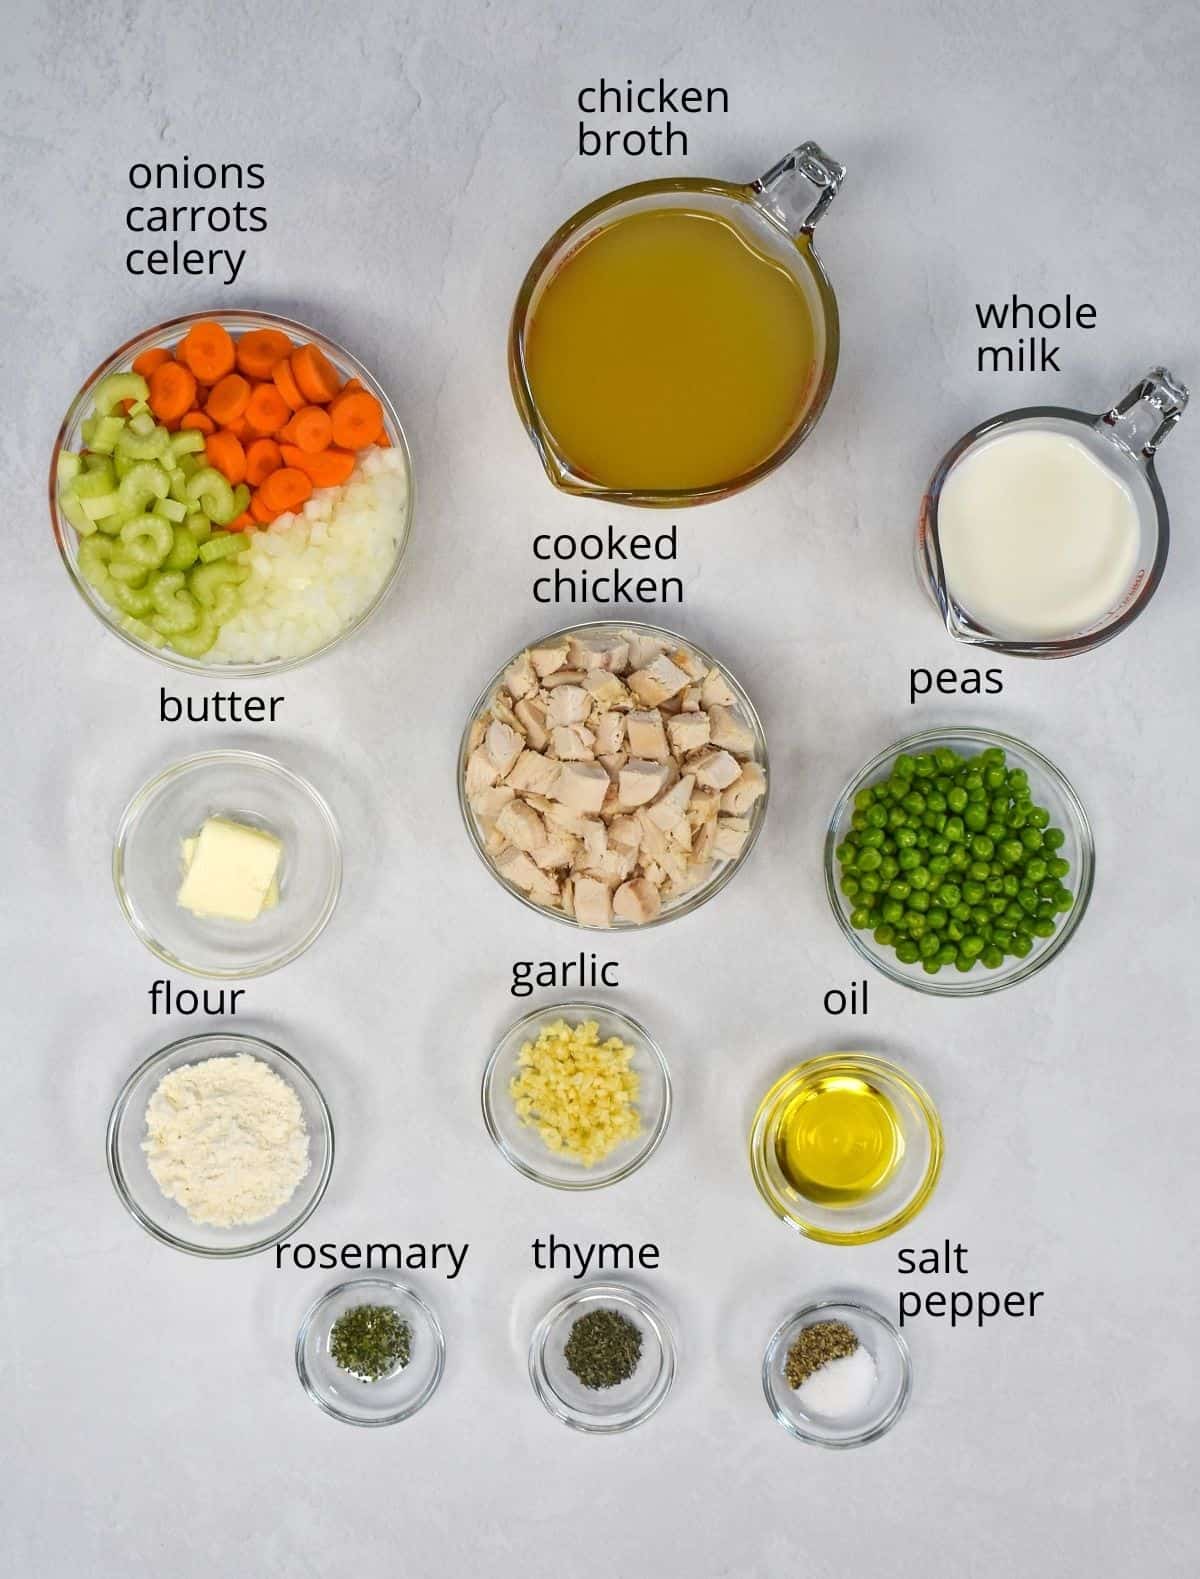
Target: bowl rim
178, 769
691, 901
205, 1039
66, 538
653, 1315
394, 1286
589, 1180
872, 1317
966, 985
762, 1131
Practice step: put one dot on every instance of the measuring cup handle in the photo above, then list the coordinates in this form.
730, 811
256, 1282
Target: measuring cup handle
786, 189
1164, 395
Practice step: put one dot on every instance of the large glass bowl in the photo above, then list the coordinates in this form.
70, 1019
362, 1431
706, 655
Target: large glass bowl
237, 321
1049, 788
522, 1146
165, 1219
722, 870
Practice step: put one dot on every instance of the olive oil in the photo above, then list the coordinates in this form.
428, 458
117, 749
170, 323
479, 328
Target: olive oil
839, 1140
668, 352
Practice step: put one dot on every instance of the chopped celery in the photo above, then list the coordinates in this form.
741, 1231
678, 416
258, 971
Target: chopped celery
143, 632
179, 484
189, 465
147, 540
152, 446
208, 582
124, 464
196, 642
107, 431
186, 442
176, 608
87, 428
210, 489
96, 463
103, 504
72, 507
220, 545
118, 387
199, 526
69, 465
93, 484
183, 551
127, 570
142, 422
132, 600
143, 482
171, 509
241, 500
94, 557
138, 407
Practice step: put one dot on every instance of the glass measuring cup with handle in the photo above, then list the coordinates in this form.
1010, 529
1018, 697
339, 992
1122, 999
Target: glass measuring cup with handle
1125, 439
777, 213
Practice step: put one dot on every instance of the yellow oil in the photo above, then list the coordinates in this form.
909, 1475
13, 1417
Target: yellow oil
668, 352
839, 1140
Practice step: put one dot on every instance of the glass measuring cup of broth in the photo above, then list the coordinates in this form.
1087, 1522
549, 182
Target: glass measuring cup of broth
676, 340
1044, 531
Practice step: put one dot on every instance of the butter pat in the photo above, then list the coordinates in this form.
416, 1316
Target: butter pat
230, 871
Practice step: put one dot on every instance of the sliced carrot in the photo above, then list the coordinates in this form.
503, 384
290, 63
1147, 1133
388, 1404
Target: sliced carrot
172, 391
147, 361
240, 429
285, 383
285, 489
259, 350
327, 469
309, 430
266, 410
262, 458
352, 386
356, 420
383, 441
261, 512
228, 399
225, 452
199, 420
208, 351
315, 374
243, 523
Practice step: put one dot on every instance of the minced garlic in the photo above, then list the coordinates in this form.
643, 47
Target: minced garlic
577, 1091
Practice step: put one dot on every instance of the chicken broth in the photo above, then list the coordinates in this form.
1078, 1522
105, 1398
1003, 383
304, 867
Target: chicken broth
668, 352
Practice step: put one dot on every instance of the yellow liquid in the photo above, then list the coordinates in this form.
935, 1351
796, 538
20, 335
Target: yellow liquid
839, 1140
668, 352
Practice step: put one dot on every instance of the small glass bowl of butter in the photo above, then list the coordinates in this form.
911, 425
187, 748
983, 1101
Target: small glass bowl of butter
227, 864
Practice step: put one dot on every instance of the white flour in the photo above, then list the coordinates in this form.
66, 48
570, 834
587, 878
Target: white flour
226, 1139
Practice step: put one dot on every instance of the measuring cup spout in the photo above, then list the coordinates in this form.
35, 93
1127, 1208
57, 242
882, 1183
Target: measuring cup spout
785, 191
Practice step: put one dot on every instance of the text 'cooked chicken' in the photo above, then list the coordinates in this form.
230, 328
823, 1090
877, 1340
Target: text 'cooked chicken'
611, 774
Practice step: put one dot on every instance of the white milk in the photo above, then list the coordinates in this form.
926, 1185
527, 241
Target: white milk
1039, 538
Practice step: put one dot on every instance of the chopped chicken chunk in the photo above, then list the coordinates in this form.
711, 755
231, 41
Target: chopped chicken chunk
688, 732
647, 737
503, 744
727, 730
581, 785
593, 902
657, 682
715, 769
637, 900
569, 704
642, 781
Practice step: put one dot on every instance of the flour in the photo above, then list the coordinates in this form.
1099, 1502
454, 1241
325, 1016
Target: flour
226, 1139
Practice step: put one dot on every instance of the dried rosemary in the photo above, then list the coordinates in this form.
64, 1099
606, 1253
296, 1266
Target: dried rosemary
816, 1346
603, 1349
370, 1341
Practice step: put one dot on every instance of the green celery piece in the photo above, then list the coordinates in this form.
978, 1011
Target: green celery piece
152, 446
94, 556
208, 580
144, 633
199, 525
117, 387
196, 642
179, 491
189, 465
87, 428
132, 600
72, 507
128, 571
186, 442
147, 540
94, 484
183, 551
138, 408
97, 463
211, 490
176, 609
102, 505
145, 481
241, 499
170, 509
108, 430
142, 422
67, 466
220, 545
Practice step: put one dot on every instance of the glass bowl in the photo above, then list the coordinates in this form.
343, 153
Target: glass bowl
1050, 789
165, 1219
901, 1195
521, 1144
392, 1398
237, 321
247, 788
893, 1383
722, 871
602, 1411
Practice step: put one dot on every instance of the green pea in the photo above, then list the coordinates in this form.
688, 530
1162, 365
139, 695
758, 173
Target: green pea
971, 946
897, 817
1012, 851
956, 798
923, 766
919, 877
884, 935
1036, 870
1053, 839
919, 900
954, 830
962, 913
899, 889
906, 952
1043, 927
975, 818
1031, 838
1039, 817
930, 945
869, 860
846, 853
892, 910
872, 839
888, 868
940, 845
858, 821
906, 837
1058, 867
982, 847
904, 765
949, 894
870, 883
1063, 900
1027, 899
1018, 779
850, 887
980, 871
877, 816
908, 860
1009, 885
954, 930
864, 798
935, 801
914, 924
1022, 944
992, 757
946, 759
931, 966
992, 957
997, 906
993, 778
1018, 817
937, 918
860, 918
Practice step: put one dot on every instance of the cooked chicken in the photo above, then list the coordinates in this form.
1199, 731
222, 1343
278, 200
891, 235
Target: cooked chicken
688, 732
593, 902
726, 729
641, 781
715, 769
746, 789
647, 737
580, 785
637, 900
658, 681
503, 744
569, 704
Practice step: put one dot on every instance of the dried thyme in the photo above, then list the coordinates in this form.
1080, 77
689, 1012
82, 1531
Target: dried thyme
370, 1341
816, 1346
603, 1349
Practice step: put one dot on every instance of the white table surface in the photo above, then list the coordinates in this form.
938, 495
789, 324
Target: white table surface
416, 156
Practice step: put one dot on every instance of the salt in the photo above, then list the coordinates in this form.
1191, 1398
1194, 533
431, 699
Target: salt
841, 1388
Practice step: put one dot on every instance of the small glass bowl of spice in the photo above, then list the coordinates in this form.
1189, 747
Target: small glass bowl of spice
370, 1352
837, 1373
576, 1095
602, 1359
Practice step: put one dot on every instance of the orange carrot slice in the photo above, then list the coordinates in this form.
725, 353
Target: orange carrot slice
285, 489
327, 469
225, 452
243, 523
147, 361
208, 351
228, 398
172, 391
262, 458
266, 410
285, 383
199, 420
261, 512
309, 430
259, 350
315, 375
356, 420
